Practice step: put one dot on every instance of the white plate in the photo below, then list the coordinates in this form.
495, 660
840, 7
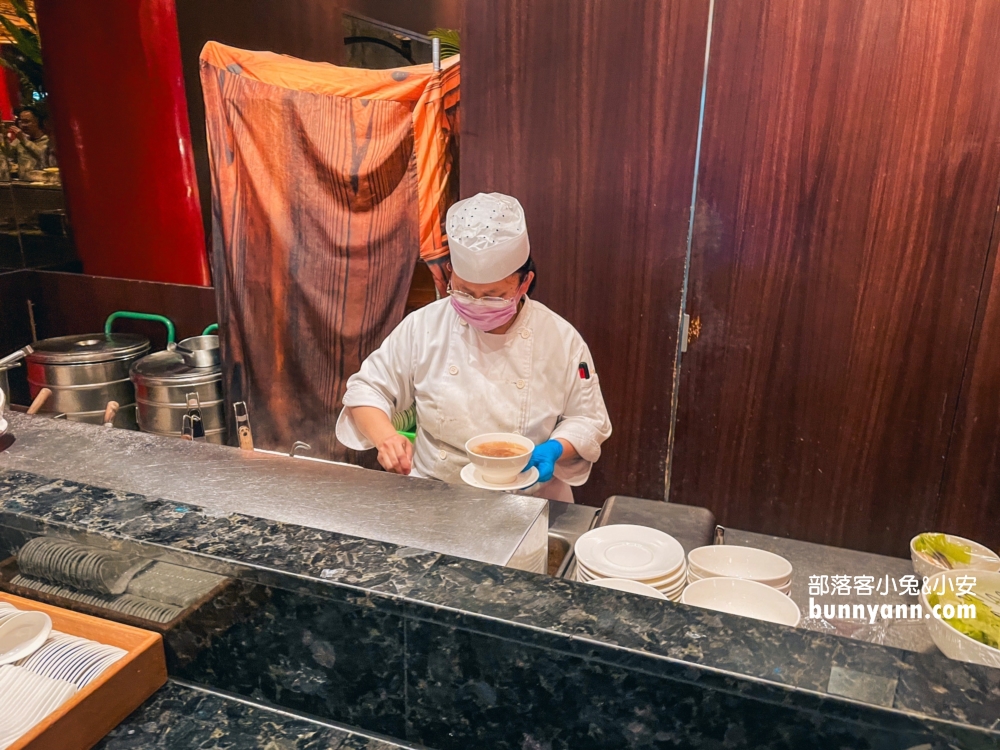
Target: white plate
21, 635
471, 475
669, 578
632, 587
32, 698
627, 551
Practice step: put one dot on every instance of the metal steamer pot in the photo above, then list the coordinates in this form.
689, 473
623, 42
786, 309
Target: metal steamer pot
179, 383
85, 372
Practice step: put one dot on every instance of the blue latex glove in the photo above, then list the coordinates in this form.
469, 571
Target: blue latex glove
544, 457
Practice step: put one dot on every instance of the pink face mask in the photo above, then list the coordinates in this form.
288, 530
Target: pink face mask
486, 315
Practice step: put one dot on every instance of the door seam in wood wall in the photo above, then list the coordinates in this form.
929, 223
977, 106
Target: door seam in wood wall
687, 258
968, 353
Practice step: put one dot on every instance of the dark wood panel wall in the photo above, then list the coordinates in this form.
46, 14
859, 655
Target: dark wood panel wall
846, 198
70, 303
587, 112
970, 497
67, 303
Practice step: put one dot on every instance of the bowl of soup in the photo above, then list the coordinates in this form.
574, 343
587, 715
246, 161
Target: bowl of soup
499, 456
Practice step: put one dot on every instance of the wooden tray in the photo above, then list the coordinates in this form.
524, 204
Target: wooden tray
83, 720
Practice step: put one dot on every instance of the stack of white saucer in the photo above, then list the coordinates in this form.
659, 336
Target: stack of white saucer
748, 563
633, 553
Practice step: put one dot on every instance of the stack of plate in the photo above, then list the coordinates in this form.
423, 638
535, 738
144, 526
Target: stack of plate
71, 659
27, 699
632, 587
79, 566
136, 606
634, 553
748, 563
49, 669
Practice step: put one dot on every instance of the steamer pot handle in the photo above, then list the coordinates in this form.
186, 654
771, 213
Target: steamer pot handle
171, 332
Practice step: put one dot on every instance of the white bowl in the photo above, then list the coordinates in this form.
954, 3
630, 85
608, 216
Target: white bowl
738, 596
983, 558
499, 470
953, 644
632, 587
784, 588
731, 561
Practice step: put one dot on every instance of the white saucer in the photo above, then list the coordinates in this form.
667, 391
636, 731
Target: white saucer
633, 552
3, 425
22, 635
471, 475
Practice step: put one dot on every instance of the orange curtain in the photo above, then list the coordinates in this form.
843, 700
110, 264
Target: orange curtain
327, 184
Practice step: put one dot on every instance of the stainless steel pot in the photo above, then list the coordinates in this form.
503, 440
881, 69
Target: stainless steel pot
200, 351
162, 384
5, 386
85, 372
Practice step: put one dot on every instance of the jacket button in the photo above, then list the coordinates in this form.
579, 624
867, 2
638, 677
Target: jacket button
525, 333
442, 455
463, 322
453, 370
520, 384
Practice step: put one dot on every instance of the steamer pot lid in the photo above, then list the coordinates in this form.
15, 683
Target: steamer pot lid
88, 348
169, 368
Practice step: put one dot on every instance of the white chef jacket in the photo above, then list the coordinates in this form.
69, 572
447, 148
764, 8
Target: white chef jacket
465, 383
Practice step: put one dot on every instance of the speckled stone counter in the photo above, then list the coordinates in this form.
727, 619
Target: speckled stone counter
182, 716
449, 653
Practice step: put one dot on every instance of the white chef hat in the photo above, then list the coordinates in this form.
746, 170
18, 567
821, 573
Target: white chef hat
487, 237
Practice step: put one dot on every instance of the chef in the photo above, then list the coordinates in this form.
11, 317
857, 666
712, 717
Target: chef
487, 358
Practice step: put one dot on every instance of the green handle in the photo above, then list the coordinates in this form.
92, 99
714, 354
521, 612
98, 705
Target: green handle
211, 329
411, 436
171, 333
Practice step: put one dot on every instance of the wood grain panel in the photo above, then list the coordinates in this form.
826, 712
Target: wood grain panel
587, 112
846, 196
74, 303
970, 498
70, 303
16, 288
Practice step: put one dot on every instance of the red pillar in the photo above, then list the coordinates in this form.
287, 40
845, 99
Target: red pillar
116, 94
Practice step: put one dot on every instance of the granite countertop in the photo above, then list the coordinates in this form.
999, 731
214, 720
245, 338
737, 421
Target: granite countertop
180, 716
758, 661
821, 560
693, 527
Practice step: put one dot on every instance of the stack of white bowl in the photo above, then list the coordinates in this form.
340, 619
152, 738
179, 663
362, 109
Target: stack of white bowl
738, 596
632, 553
748, 563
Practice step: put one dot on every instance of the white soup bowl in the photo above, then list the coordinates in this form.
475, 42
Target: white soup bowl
499, 470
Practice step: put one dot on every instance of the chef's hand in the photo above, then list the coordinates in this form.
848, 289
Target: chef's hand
544, 458
395, 453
